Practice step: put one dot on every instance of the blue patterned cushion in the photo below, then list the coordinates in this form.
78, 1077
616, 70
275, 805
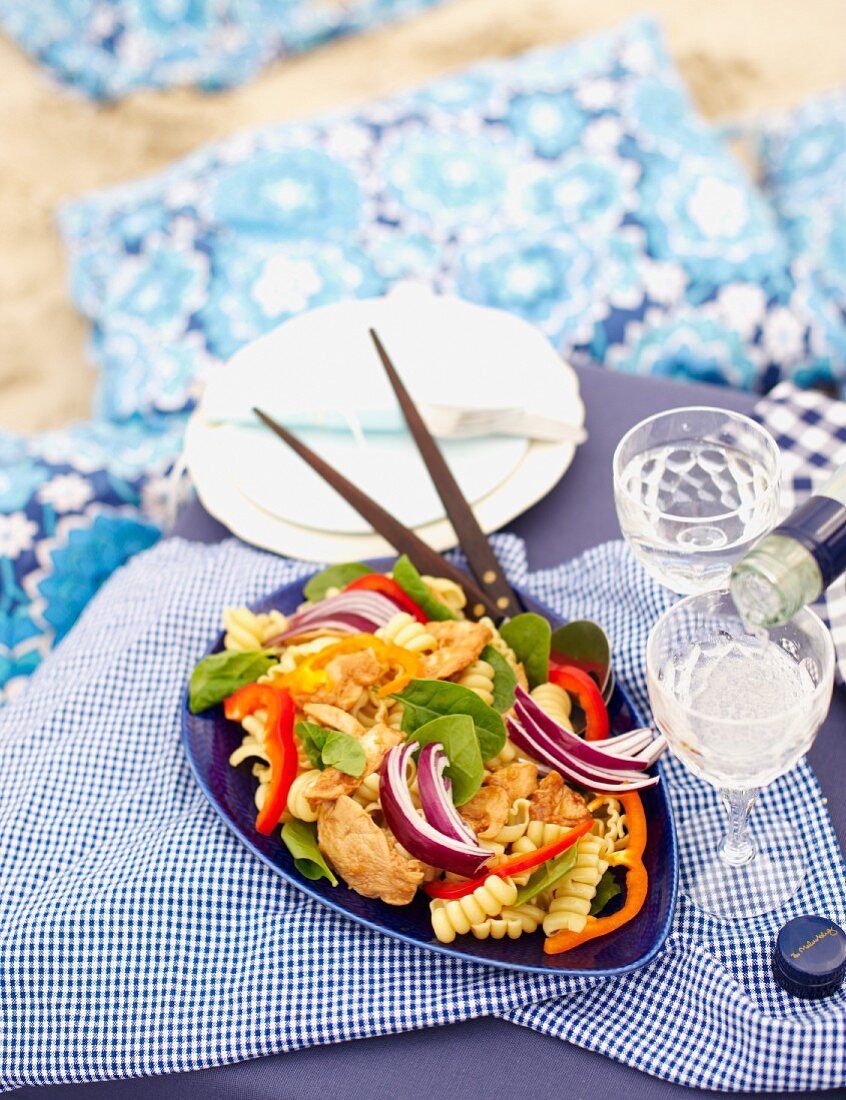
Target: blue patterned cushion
804, 167
576, 187
74, 505
108, 48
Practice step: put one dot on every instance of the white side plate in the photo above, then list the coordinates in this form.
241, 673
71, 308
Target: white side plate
267, 496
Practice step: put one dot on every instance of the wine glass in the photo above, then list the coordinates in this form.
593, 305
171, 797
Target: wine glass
739, 706
695, 488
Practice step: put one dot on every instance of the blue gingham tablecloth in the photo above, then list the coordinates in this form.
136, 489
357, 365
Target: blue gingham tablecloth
139, 937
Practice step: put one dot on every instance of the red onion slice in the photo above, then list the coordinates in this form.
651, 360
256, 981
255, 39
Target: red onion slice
630, 744
529, 712
416, 835
554, 758
556, 751
357, 612
655, 749
435, 795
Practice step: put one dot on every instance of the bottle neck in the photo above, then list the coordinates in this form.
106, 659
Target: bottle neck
796, 563
774, 580
819, 525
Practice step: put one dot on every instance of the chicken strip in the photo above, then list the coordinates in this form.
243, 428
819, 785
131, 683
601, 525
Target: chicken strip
459, 644
349, 675
517, 780
376, 742
364, 855
556, 804
334, 719
486, 812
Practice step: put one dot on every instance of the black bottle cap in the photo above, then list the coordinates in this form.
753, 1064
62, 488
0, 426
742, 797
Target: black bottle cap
810, 956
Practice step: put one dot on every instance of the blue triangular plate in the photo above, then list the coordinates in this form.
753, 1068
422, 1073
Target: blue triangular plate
209, 739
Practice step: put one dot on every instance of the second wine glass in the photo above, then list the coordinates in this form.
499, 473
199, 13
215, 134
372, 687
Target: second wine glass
738, 707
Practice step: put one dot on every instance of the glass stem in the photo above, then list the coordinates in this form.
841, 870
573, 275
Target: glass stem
737, 846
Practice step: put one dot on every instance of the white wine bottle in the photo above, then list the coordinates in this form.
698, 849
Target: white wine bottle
797, 561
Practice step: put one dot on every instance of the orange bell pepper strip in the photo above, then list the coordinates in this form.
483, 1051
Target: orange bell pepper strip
277, 741
386, 652
514, 866
637, 881
588, 696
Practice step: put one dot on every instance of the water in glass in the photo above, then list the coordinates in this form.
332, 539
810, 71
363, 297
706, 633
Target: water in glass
755, 681
695, 488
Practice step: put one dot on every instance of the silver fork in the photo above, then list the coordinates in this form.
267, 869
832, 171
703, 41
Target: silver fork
448, 421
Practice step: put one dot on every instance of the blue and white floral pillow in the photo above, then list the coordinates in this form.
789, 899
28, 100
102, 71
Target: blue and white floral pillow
804, 168
74, 505
108, 48
576, 187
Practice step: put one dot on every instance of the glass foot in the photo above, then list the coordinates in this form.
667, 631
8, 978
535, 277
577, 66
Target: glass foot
737, 892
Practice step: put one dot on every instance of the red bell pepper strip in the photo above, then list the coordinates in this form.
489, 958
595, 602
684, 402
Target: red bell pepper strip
377, 582
588, 696
277, 742
514, 866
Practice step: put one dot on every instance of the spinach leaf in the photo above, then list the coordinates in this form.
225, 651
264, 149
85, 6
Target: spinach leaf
336, 576
458, 737
424, 700
584, 644
310, 736
300, 838
414, 586
343, 752
529, 636
221, 674
505, 679
547, 875
331, 748
607, 889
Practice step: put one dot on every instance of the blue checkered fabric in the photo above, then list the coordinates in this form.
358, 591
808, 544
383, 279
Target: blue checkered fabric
707, 1012
810, 430
140, 937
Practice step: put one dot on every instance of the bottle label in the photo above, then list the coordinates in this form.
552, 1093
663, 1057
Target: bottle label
820, 526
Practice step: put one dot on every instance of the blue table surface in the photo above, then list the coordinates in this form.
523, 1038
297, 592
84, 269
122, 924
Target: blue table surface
488, 1057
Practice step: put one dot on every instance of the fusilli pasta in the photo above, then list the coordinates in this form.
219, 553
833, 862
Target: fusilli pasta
516, 823
405, 631
571, 899
506, 755
511, 922
610, 821
554, 702
448, 592
479, 678
298, 804
367, 792
537, 835
245, 630
370, 709
262, 774
456, 917
499, 643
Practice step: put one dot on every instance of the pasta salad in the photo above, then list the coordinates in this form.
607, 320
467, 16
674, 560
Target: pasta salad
403, 746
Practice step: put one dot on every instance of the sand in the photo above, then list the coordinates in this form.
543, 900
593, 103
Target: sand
740, 57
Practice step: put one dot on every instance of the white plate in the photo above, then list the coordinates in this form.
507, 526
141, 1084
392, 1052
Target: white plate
384, 465
267, 496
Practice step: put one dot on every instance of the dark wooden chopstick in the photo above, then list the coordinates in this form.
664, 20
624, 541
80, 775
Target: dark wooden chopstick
471, 538
400, 537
